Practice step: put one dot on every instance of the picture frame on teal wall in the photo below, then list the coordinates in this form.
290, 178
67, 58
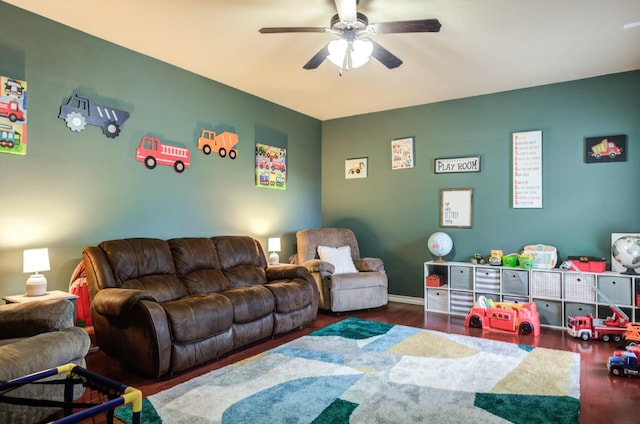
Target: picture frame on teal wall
527, 169
456, 165
402, 153
456, 207
609, 148
13, 116
356, 168
271, 167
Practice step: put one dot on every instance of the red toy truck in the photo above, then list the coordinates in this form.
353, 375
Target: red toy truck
520, 318
587, 327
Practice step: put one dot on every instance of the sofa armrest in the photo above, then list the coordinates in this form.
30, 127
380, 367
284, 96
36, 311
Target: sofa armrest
316, 265
28, 319
117, 303
369, 264
286, 272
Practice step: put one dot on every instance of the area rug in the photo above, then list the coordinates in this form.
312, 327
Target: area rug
358, 371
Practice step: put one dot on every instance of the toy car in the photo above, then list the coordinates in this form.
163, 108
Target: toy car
522, 318
623, 362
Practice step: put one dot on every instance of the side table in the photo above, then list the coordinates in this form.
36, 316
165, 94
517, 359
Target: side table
50, 295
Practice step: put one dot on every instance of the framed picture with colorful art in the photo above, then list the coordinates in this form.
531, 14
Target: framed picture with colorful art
271, 167
610, 148
13, 116
402, 153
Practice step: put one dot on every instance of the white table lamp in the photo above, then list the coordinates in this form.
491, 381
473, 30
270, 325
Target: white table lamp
36, 260
273, 246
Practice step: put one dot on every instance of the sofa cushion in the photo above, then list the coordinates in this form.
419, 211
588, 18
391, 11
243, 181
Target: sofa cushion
291, 295
198, 317
250, 302
242, 260
144, 264
197, 265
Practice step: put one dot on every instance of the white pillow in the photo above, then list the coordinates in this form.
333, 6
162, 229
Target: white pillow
340, 257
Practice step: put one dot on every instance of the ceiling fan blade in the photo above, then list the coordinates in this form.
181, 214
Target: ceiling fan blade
347, 10
318, 58
277, 30
418, 25
385, 57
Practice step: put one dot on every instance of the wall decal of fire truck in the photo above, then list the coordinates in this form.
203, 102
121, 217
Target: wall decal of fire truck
13, 116
152, 152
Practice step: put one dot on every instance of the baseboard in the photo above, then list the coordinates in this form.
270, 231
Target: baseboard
406, 299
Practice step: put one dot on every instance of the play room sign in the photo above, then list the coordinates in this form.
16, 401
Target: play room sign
464, 164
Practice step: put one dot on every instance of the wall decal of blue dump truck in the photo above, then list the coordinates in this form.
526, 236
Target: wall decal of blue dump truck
81, 111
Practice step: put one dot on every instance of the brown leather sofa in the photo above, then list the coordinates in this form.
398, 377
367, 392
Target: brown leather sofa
162, 306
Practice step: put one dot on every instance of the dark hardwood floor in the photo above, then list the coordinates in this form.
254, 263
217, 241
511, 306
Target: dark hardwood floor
604, 399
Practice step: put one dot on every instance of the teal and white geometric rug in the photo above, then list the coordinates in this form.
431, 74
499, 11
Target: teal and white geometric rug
358, 371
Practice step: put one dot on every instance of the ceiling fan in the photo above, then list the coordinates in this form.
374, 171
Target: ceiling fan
354, 47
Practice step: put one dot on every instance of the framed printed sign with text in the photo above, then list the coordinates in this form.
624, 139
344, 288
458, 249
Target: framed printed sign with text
457, 165
527, 169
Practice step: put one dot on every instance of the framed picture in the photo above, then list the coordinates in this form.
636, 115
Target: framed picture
456, 165
271, 167
456, 207
527, 169
610, 148
355, 168
402, 153
13, 122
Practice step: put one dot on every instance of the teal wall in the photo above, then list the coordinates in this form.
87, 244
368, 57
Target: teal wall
77, 189
393, 212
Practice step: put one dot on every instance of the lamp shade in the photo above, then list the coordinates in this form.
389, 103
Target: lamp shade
36, 260
359, 51
273, 245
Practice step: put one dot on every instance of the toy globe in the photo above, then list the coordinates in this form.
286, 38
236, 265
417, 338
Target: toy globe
440, 244
626, 250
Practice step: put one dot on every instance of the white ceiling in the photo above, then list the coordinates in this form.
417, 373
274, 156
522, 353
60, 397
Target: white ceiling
484, 46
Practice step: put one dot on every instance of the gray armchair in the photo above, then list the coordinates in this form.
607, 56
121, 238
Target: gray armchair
36, 336
363, 288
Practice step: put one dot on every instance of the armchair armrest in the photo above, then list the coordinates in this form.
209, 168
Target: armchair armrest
369, 264
32, 318
316, 265
117, 303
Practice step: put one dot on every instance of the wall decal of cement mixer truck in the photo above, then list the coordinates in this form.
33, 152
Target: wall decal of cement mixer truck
81, 111
223, 143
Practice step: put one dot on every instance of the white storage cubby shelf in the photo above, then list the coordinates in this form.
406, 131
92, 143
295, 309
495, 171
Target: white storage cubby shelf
557, 293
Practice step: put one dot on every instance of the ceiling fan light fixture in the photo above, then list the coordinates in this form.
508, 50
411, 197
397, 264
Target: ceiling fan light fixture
359, 52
